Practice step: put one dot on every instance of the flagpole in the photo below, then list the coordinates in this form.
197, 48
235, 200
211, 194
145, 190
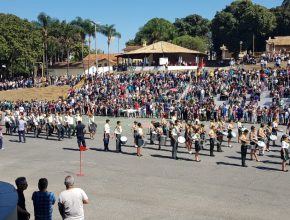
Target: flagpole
81, 172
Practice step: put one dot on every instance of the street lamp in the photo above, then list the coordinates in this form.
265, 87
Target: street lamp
97, 61
241, 43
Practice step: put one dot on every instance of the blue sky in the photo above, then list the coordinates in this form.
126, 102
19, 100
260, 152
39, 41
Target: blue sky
127, 15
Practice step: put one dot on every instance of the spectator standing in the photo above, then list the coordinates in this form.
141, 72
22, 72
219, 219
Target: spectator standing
43, 201
71, 201
21, 185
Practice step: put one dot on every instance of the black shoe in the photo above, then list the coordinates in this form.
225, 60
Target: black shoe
244, 166
220, 151
212, 155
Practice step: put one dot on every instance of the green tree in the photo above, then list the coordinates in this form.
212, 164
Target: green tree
20, 45
193, 43
193, 25
282, 14
110, 32
240, 21
156, 29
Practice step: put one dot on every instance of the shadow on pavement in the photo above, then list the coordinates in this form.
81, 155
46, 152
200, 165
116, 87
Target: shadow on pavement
267, 168
71, 149
228, 164
169, 157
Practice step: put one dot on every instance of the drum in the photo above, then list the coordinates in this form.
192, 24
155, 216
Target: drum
261, 144
123, 140
154, 136
181, 140
234, 134
243, 129
225, 133
273, 137
163, 140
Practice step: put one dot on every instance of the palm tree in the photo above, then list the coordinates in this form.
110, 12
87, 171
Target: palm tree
110, 32
90, 31
70, 35
43, 22
82, 31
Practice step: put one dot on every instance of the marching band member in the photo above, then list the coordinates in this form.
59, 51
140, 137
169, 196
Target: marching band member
140, 139
268, 134
92, 126
151, 130
189, 132
70, 125
159, 131
244, 142
187, 135
284, 152
106, 138
240, 127
7, 122
212, 137
173, 138
49, 125
60, 129
202, 136
118, 132
134, 129
254, 143
219, 137
230, 130
262, 137
197, 144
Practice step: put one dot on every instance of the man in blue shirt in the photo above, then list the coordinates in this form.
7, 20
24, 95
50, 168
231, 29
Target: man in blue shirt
43, 201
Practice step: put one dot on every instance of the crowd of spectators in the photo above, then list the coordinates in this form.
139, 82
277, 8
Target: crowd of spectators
29, 82
187, 95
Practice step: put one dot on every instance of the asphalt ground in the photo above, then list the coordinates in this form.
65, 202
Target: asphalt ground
154, 186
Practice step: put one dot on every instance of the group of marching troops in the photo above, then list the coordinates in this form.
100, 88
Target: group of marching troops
38, 123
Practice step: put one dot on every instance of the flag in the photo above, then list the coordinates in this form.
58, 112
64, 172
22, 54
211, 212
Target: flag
83, 148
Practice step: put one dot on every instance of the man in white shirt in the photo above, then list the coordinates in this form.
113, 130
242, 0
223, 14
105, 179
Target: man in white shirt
21, 129
106, 135
118, 132
71, 200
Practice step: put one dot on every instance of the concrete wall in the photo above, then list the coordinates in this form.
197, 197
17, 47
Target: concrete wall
8, 201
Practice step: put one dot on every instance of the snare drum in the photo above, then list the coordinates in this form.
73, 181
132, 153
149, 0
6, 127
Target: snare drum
225, 133
261, 144
234, 134
181, 140
123, 140
273, 137
154, 136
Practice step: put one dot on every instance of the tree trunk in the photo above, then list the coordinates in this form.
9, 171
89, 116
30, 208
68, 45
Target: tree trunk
89, 53
67, 69
109, 56
83, 55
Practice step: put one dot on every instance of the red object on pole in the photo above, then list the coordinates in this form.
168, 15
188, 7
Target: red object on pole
82, 148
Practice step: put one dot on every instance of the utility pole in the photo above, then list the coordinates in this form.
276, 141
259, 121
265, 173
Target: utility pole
253, 44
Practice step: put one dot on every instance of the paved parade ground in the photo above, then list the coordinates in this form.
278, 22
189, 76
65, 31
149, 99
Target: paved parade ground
123, 186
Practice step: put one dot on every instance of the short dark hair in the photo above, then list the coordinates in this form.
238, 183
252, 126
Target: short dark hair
107, 120
42, 184
20, 181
